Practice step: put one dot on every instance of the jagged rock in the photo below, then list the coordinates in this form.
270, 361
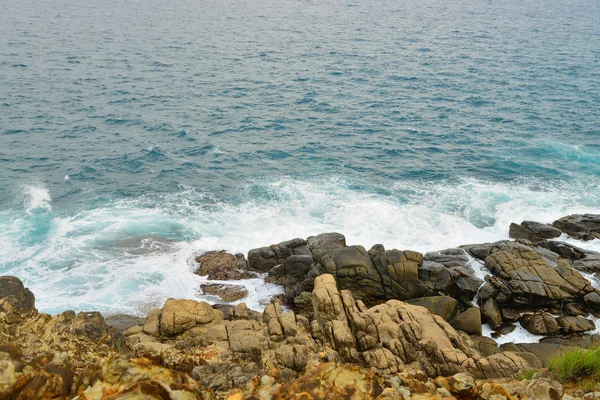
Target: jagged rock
468, 321
443, 306
455, 279
225, 376
533, 231
540, 323
16, 301
324, 243
593, 300
139, 379
225, 292
265, 258
222, 266
580, 226
389, 335
491, 313
331, 381
526, 276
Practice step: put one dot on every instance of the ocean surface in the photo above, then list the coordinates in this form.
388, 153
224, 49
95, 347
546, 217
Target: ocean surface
135, 134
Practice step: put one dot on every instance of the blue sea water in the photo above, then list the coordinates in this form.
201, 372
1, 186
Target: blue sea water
135, 134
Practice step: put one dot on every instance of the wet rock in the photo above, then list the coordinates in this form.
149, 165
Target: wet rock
491, 313
265, 258
571, 325
225, 292
505, 329
563, 249
469, 321
580, 226
222, 266
533, 231
540, 323
457, 281
510, 315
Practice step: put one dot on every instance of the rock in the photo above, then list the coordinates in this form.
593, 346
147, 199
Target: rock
443, 306
123, 322
294, 357
390, 335
16, 301
324, 243
225, 292
486, 346
524, 277
563, 249
510, 315
505, 329
533, 231
458, 279
265, 258
469, 321
540, 323
580, 226
222, 266
140, 379
593, 300
332, 381
181, 315
491, 313
571, 325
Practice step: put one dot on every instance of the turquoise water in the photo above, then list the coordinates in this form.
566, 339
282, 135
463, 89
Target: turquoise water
134, 134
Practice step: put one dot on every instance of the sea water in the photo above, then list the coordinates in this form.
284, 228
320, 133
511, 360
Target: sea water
137, 134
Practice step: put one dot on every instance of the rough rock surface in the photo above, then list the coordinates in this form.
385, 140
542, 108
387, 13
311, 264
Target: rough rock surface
225, 292
580, 226
524, 275
222, 266
533, 231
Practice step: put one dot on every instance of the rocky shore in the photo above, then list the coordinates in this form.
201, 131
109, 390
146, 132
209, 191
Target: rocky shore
352, 323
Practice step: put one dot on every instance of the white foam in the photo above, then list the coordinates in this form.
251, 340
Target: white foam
133, 254
37, 197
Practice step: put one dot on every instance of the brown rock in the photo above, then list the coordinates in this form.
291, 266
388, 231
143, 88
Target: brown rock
469, 321
225, 292
222, 266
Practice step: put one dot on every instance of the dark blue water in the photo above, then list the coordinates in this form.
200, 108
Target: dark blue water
135, 133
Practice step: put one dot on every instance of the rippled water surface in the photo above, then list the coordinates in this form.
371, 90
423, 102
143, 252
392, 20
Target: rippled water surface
134, 134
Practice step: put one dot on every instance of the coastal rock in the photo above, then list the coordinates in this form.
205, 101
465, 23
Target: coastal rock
123, 322
523, 275
491, 313
455, 279
580, 226
178, 316
225, 292
265, 258
540, 323
222, 266
468, 321
443, 306
533, 231
16, 301
390, 335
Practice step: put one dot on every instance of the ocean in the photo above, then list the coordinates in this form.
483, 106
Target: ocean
137, 134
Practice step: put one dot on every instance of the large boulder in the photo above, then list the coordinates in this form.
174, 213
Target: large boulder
468, 321
390, 335
223, 266
580, 226
524, 276
265, 258
533, 231
16, 301
443, 306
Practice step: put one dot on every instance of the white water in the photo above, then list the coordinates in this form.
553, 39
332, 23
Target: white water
130, 255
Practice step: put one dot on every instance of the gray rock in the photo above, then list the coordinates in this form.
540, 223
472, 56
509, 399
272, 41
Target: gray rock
580, 226
533, 231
